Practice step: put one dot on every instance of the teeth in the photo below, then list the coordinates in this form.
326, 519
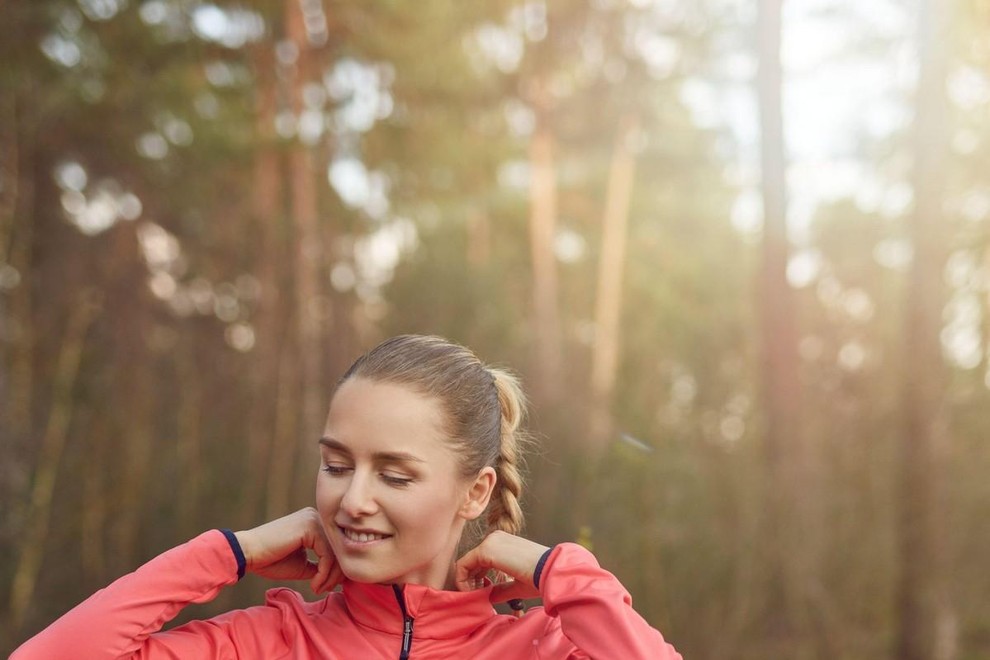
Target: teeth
362, 537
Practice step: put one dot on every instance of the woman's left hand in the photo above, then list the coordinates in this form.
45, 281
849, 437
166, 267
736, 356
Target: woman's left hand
513, 555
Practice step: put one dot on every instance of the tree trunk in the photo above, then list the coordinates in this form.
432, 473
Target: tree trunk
608, 300
17, 349
95, 500
789, 492
285, 436
9, 173
311, 301
18, 203
190, 406
134, 380
542, 227
984, 367
34, 539
926, 626
270, 317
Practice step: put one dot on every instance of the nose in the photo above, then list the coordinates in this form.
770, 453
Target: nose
359, 500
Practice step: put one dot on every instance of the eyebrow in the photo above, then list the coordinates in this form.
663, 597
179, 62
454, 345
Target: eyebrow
382, 456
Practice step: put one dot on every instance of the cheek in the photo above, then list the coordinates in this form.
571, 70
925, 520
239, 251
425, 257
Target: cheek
430, 515
327, 499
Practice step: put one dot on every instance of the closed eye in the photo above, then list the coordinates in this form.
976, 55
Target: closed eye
398, 482
340, 470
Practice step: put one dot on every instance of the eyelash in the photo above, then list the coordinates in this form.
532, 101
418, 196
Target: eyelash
398, 482
334, 470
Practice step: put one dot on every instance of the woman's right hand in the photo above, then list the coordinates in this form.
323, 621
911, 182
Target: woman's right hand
277, 550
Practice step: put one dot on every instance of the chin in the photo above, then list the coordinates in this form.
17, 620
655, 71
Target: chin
355, 572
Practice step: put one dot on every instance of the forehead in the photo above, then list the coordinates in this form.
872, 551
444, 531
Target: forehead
370, 416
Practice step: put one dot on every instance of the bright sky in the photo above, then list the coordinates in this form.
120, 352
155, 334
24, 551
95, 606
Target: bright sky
833, 96
838, 98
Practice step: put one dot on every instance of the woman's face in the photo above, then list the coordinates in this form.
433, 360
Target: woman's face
389, 492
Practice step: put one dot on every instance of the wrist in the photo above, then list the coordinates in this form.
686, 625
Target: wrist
538, 572
237, 548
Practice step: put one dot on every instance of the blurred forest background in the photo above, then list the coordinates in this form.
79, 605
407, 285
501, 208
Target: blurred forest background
739, 250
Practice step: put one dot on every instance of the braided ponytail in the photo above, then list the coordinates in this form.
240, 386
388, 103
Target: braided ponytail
504, 512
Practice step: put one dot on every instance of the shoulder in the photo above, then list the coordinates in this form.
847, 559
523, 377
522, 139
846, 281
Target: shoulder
296, 610
285, 620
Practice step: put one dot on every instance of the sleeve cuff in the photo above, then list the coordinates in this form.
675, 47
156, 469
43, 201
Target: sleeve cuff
539, 567
235, 547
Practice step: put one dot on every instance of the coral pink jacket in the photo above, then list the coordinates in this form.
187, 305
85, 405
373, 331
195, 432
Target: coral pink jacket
586, 614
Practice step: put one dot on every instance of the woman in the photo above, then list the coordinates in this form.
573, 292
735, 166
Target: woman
421, 440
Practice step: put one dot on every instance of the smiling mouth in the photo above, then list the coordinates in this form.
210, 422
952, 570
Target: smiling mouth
362, 537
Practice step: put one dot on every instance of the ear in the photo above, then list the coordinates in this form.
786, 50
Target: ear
478, 494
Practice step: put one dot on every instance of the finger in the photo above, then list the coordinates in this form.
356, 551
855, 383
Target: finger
331, 578
316, 539
322, 571
470, 582
306, 569
471, 569
326, 560
335, 577
296, 566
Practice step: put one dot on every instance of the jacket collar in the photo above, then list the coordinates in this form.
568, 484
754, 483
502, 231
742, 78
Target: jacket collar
438, 614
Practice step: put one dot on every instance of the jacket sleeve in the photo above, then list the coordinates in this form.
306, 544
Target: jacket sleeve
594, 609
123, 619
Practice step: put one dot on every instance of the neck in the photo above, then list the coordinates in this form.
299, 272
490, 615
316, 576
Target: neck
440, 576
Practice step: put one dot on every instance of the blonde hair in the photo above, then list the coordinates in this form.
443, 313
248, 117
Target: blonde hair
483, 410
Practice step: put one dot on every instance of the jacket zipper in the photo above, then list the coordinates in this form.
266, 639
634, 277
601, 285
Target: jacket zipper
407, 623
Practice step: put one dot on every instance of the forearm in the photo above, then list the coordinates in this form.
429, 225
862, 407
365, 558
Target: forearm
116, 621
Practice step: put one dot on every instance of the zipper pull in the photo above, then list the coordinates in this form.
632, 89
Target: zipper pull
407, 626
407, 623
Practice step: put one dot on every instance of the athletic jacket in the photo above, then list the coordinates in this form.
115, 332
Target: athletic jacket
586, 614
